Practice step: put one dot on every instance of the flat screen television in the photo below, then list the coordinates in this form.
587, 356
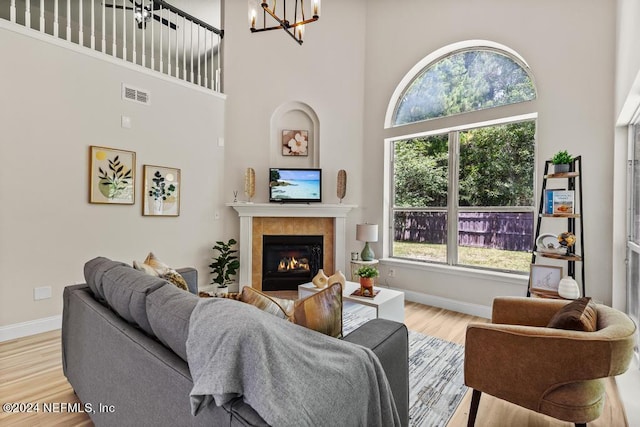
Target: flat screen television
291, 185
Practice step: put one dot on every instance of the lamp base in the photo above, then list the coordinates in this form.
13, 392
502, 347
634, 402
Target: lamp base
367, 253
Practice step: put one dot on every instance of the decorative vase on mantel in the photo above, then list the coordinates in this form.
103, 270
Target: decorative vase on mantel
320, 280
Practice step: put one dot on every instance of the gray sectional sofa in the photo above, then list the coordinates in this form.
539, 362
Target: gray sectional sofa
113, 359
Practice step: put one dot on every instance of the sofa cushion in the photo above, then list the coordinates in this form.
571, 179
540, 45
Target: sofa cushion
94, 270
279, 307
169, 310
125, 290
578, 315
321, 311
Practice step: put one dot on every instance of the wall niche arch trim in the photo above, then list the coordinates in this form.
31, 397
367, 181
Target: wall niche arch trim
294, 115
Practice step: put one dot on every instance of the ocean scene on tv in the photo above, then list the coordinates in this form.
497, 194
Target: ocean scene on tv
291, 185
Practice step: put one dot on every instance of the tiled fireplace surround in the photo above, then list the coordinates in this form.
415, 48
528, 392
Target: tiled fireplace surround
259, 219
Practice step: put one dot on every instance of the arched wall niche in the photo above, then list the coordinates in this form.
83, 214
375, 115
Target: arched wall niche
295, 115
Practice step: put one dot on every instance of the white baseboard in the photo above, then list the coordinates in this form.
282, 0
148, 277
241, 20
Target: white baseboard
32, 327
446, 303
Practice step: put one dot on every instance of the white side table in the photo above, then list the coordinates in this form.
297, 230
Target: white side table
355, 265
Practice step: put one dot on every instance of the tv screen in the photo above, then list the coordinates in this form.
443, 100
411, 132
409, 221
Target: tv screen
288, 185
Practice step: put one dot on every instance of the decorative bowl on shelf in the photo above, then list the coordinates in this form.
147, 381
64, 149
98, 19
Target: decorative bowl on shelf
547, 243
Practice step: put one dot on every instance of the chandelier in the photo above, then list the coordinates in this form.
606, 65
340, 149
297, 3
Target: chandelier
294, 28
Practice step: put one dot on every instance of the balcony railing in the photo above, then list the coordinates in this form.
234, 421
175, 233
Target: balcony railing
149, 33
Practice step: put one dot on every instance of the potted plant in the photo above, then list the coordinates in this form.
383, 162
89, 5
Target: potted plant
367, 274
561, 161
224, 265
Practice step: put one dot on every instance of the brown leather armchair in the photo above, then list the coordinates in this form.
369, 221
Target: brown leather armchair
551, 371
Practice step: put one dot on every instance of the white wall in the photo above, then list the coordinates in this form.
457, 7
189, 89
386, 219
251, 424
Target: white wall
265, 71
570, 47
57, 102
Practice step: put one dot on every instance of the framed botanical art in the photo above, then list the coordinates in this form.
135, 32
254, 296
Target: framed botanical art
161, 191
545, 279
295, 143
111, 175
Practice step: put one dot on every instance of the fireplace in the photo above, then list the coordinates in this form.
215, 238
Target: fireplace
290, 260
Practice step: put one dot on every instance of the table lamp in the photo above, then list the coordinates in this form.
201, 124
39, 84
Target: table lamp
367, 233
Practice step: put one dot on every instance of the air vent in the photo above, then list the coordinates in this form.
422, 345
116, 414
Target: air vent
131, 93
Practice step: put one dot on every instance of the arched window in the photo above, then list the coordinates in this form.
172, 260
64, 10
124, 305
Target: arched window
462, 81
463, 194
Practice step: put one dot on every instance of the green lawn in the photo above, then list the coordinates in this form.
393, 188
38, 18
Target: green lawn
479, 257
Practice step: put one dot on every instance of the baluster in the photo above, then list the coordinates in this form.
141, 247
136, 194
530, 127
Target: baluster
81, 25
199, 65
213, 40
153, 41
161, 34
104, 29
206, 72
42, 16
177, 66
69, 20
12, 11
169, 70
124, 30
134, 41
93, 24
56, 28
144, 44
218, 82
114, 46
184, 52
191, 50
27, 14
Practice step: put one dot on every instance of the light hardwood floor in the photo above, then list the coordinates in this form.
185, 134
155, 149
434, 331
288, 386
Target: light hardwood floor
31, 371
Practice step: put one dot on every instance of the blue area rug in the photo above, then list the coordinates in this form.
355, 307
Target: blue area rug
436, 376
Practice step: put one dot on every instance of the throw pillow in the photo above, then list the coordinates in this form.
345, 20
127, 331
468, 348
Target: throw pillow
321, 311
277, 306
578, 315
154, 267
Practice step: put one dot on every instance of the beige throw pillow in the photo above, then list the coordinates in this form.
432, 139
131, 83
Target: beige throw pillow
154, 267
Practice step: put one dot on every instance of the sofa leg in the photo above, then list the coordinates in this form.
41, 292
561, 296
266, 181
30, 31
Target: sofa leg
473, 411
581, 424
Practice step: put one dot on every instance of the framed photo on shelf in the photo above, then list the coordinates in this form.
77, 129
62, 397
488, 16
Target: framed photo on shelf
161, 191
111, 175
545, 279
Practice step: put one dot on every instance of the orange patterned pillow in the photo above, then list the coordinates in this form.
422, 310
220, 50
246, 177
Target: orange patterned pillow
279, 307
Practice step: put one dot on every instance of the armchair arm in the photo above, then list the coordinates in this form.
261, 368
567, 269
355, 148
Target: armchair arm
521, 364
525, 311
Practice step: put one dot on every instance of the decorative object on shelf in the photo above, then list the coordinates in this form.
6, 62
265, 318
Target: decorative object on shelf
568, 288
235, 196
354, 256
161, 191
295, 143
111, 175
548, 243
367, 274
225, 265
250, 183
337, 277
341, 184
367, 233
561, 161
320, 280
567, 239
295, 29
365, 293
545, 278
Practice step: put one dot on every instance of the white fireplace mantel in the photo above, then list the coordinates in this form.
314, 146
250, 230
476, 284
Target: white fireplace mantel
247, 211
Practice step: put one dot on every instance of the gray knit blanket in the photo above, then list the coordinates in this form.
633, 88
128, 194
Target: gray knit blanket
290, 375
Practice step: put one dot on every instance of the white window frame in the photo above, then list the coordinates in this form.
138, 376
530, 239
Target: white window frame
480, 118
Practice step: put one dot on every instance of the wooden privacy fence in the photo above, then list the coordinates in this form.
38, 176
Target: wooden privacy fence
512, 231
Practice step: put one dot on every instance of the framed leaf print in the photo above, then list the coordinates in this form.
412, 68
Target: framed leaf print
161, 191
111, 175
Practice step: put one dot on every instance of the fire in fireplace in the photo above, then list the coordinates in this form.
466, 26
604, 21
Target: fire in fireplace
290, 260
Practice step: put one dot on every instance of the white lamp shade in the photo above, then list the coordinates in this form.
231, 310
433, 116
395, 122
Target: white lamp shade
367, 232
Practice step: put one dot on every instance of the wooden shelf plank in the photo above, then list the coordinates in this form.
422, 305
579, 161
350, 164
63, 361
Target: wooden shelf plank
572, 257
560, 215
563, 175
